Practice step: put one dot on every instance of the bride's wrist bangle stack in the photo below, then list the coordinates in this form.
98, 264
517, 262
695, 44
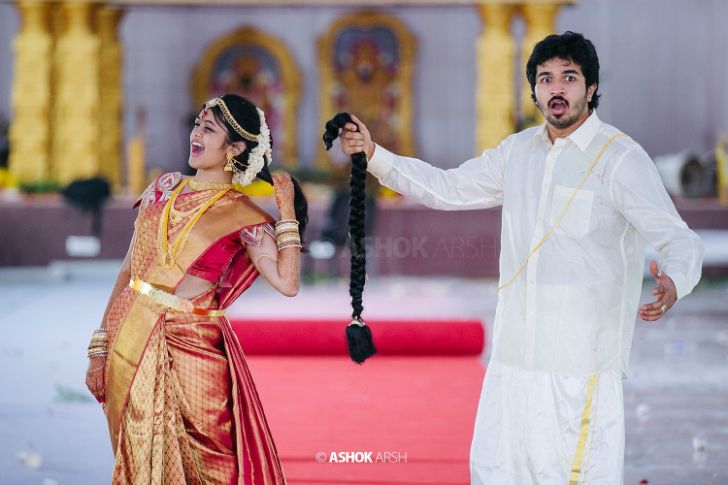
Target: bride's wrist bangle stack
287, 235
99, 346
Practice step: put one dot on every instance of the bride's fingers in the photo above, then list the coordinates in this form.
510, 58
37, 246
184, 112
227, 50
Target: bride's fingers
98, 390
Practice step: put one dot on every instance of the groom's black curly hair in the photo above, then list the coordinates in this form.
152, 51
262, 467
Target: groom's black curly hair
568, 46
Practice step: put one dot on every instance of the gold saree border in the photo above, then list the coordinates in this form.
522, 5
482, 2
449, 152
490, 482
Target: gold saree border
586, 421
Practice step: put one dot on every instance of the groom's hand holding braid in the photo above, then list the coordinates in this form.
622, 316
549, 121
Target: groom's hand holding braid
355, 139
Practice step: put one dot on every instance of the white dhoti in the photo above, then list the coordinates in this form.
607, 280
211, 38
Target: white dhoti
540, 428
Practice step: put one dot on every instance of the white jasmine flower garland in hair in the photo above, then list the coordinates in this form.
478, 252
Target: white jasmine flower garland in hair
258, 157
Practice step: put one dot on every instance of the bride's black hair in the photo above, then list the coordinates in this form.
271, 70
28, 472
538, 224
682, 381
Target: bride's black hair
246, 114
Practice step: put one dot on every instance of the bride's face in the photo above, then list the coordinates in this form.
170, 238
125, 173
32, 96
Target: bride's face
208, 143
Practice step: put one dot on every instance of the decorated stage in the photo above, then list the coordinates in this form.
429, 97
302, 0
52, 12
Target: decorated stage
408, 239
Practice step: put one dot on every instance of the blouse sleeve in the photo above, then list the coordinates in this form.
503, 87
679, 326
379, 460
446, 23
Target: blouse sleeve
146, 198
254, 234
159, 190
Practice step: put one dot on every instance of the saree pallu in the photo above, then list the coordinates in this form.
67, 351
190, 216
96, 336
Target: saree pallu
181, 404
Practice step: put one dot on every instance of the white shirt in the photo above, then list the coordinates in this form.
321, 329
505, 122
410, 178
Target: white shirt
572, 310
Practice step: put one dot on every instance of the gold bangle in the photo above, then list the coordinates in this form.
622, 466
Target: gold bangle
287, 235
288, 228
288, 241
286, 246
285, 229
284, 221
100, 334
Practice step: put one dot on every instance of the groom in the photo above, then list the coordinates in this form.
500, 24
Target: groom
579, 199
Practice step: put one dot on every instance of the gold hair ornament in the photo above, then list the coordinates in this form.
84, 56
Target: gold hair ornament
220, 103
259, 156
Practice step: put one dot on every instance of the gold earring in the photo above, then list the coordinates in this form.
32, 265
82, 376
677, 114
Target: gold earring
229, 166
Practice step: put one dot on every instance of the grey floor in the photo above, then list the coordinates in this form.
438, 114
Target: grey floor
52, 432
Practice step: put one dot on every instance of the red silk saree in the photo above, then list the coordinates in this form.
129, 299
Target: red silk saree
180, 401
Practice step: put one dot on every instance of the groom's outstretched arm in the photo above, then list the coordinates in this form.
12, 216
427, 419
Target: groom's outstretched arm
476, 184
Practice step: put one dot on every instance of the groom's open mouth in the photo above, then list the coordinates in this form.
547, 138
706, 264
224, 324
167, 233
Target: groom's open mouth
558, 106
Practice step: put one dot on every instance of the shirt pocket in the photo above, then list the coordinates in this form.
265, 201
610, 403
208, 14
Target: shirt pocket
576, 218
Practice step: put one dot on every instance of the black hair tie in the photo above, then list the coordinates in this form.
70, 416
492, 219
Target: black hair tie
358, 334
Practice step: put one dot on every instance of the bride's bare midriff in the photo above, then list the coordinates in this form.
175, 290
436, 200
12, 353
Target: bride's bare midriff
192, 286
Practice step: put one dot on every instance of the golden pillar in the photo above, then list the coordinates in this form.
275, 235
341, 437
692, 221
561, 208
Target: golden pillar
31, 95
539, 17
136, 156
495, 92
58, 27
110, 99
76, 144
721, 160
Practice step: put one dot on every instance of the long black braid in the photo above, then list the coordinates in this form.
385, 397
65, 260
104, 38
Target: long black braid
358, 334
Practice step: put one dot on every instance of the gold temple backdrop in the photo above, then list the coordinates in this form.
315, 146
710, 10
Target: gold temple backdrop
259, 67
366, 63
67, 97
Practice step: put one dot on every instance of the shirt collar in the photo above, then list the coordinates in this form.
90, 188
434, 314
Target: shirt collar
582, 136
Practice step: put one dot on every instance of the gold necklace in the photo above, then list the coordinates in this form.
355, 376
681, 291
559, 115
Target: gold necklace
178, 215
168, 255
195, 185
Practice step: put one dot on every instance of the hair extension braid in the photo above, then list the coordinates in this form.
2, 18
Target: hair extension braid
358, 333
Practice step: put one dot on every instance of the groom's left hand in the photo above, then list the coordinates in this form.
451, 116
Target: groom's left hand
665, 293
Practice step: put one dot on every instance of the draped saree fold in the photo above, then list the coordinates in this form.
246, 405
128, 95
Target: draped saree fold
180, 401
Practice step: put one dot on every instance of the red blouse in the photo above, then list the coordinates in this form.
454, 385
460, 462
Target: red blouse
216, 260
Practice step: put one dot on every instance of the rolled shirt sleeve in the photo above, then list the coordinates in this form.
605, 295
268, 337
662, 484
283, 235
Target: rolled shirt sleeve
476, 184
638, 193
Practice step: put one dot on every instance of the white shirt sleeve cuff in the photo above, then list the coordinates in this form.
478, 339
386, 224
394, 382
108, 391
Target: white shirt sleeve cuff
381, 163
681, 285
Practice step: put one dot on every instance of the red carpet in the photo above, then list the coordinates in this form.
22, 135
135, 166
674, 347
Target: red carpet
391, 337
419, 407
